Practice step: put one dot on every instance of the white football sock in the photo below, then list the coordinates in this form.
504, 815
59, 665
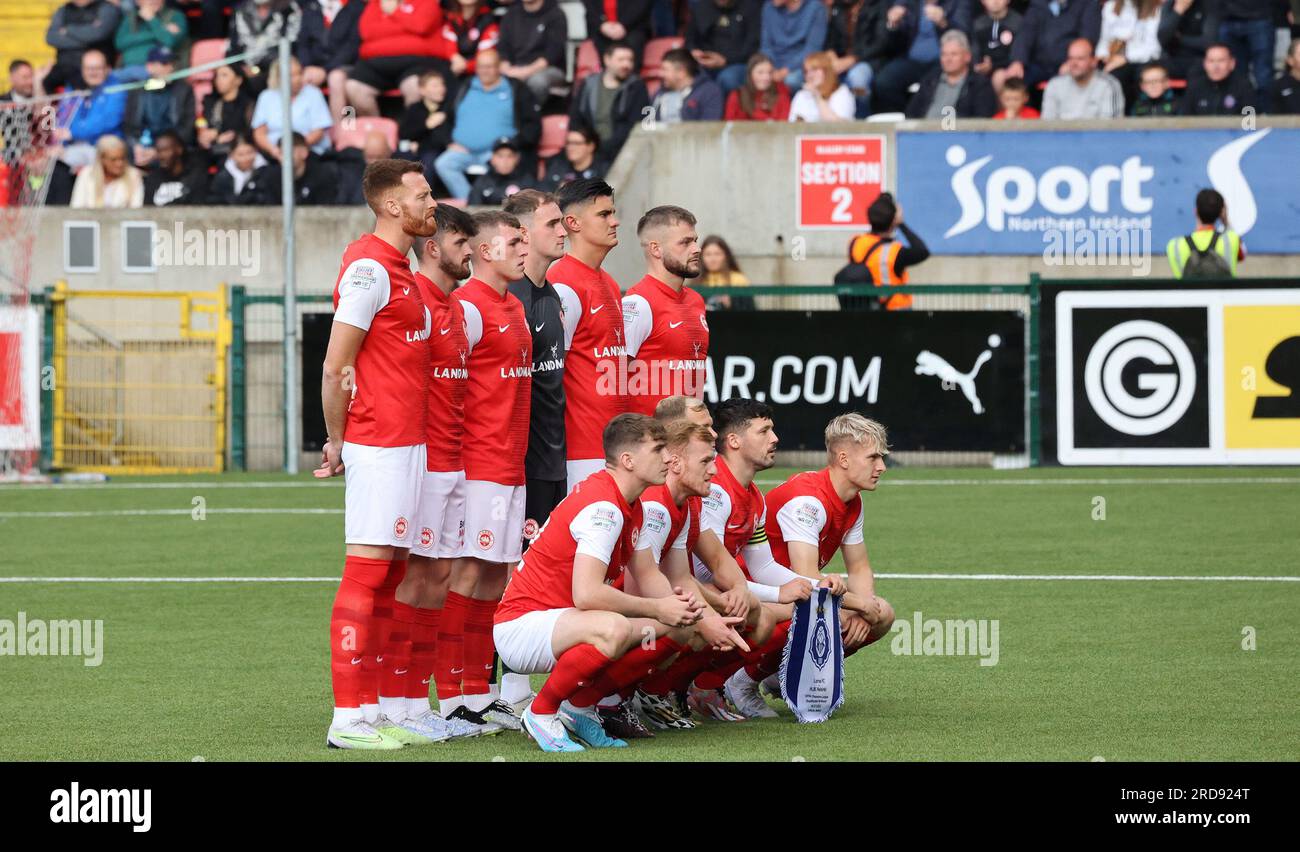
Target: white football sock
370, 712
344, 716
515, 687
478, 703
416, 707
447, 706
610, 700
742, 679
393, 708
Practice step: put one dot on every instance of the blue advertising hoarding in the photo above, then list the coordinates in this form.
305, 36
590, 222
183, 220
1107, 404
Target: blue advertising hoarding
1010, 192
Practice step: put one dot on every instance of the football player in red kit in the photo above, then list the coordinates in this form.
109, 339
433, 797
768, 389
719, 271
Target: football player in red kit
497, 405
666, 330
373, 397
563, 612
819, 512
593, 323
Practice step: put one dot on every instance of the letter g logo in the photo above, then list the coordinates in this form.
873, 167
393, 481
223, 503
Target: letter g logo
1170, 391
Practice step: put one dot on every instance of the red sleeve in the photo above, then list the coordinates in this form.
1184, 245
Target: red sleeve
424, 19
733, 112
611, 10
371, 18
781, 112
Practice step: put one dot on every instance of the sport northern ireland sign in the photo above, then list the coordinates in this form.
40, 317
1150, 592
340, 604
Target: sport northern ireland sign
1195, 376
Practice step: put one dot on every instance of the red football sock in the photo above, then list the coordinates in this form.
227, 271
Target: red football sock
479, 650
575, 668
372, 663
424, 643
678, 676
716, 676
397, 652
352, 626
447, 673
769, 657
627, 671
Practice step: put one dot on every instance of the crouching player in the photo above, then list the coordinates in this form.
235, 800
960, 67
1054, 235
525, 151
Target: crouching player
820, 511
561, 614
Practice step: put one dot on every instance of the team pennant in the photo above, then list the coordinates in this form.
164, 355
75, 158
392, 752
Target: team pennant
812, 666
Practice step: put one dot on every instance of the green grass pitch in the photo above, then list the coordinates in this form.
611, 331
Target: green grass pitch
1119, 670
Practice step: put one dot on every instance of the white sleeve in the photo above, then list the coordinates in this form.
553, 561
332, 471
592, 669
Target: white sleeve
363, 292
802, 519
854, 535
638, 320
654, 528
596, 529
843, 103
715, 511
570, 312
473, 325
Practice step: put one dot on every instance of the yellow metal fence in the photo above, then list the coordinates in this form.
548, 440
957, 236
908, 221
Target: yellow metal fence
139, 381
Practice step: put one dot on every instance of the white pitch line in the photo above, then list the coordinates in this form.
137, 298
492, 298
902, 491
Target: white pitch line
160, 512
132, 486
1133, 578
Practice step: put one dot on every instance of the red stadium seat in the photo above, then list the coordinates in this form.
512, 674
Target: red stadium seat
554, 129
203, 52
588, 62
355, 135
654, 55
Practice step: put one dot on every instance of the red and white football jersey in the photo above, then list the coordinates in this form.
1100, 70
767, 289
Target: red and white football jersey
594, 519
593, 337
376, 292
498, 396
807, 509
667, 343
665, 525
448, 377
736, 515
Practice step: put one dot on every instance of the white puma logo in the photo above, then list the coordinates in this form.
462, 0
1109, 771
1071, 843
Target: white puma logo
929, 364
675, 324
597, 309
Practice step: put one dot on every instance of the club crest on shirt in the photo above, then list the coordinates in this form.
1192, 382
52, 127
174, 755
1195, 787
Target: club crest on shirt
426, 537
399, 527
530, 529
636, 536
485, 539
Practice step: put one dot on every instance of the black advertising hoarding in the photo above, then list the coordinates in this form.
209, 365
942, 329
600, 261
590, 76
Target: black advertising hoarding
315, 340
1171, 373
940, 381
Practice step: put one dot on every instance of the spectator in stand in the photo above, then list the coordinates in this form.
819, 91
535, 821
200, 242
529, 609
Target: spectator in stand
158, 107
914, 28
578, 161
1082, 91
505, 176
110, 182
1187, 28
1014, 99
425, 128
791, 31
400, 40
1213, 250
233, 182
147, 25
992, 36
227, 113
468, 29
884, 259
953, 88
856, 35
627, 21
1039, 51
760, 98
533, 38
308, 112
314, 181
610, 103
1129, 39
174, 179
257, 27
1221, 90
342, 49
1155, 97
489, 107
721, 270
686, 95
823, 97
97, 114
1286, 88
210, 22
351, 167
1247, 29
76, 27
722, 35
22, 82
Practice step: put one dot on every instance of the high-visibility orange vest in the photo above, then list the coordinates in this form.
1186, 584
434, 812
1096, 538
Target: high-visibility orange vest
880, 263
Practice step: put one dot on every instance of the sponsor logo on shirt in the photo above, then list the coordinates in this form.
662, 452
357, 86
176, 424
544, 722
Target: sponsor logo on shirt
808, 514
362, 277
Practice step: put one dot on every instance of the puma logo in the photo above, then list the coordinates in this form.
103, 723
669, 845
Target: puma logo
929, 364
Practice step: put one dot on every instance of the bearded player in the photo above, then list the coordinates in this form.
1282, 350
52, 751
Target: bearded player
562, 612
373, 397
497, 404
593, 324
667, 333
817, 513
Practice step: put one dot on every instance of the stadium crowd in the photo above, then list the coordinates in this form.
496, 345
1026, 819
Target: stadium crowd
470, 86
